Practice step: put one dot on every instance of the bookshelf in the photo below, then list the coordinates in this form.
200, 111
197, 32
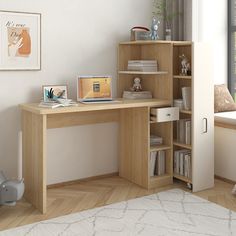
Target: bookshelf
166, 84
200, 82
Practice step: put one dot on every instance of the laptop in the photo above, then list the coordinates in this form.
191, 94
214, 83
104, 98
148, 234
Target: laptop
94, 89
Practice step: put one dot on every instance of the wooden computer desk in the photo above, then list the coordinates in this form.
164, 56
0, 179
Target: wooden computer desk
133, 118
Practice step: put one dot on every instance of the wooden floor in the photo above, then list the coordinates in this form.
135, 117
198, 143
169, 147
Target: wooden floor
96, 193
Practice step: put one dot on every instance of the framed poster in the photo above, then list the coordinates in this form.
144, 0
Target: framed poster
20, 41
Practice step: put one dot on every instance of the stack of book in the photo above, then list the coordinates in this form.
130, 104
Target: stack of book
143, 65
57, 103
184, 131
182, 163
137, 95
157, 163
155, 140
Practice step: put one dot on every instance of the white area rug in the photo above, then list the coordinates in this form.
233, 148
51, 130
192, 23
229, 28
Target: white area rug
168, 213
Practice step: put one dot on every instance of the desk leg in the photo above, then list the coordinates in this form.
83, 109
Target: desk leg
34, 158
134, 136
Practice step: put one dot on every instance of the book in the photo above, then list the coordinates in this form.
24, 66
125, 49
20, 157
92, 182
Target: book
186, 94
183, 128
152, 163
160, 163
55, 104
181, 162
188, 132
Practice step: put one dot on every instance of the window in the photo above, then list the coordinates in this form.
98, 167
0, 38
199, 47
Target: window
232, 47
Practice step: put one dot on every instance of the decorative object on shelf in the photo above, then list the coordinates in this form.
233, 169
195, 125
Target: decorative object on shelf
179, 103
10, 190
136, 91
20, 41
53, 92
154, 28
185, 65
137, 87
140, 33
162, 9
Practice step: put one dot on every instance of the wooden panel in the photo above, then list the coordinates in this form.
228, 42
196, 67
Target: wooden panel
203, 108
134, 145
81, 118
34, 155
161, 86
159, 181
78, 181
118, 104
225, 125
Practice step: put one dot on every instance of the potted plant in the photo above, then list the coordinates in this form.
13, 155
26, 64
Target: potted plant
162, 10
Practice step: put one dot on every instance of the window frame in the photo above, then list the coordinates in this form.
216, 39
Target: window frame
231, 29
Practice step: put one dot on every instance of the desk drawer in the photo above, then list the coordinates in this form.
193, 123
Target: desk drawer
165, 114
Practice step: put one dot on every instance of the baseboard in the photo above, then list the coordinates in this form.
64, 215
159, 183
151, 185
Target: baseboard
59, 185
225, 180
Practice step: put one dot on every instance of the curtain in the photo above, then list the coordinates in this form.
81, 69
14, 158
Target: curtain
177, 24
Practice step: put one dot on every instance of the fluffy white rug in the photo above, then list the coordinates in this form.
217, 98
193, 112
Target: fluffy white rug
168, 213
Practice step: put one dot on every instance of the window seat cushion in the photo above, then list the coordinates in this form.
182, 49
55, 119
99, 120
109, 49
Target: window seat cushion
228, 117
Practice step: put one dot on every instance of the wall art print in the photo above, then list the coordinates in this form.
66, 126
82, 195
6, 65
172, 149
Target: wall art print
20, 41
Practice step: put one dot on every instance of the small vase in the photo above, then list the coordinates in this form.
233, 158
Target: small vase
168, 34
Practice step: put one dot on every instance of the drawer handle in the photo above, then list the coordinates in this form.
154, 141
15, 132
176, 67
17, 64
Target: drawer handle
168, 114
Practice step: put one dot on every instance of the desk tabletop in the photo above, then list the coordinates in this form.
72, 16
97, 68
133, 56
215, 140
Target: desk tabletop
80, 107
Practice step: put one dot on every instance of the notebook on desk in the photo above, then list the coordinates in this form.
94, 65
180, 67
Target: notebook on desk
94, 89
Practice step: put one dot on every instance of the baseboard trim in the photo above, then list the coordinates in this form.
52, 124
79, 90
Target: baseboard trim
225, 180
63, 184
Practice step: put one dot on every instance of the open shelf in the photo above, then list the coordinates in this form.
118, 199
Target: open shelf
159, 148
183, 145
182, 77
189, 112
130, 72
183, 178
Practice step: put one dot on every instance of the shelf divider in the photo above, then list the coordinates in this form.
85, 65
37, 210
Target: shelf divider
183, 145
183, 178
159, 148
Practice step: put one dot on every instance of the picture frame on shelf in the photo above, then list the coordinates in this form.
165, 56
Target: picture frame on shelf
53, 92
20, 40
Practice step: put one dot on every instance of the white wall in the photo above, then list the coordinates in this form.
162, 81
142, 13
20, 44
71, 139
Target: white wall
210, 25
78, 37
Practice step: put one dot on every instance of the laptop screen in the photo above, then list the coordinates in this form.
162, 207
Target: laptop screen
92, 88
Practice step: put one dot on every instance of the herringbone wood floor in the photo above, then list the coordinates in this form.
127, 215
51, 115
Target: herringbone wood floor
96, 193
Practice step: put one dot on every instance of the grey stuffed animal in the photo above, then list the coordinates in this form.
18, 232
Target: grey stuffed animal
10, 190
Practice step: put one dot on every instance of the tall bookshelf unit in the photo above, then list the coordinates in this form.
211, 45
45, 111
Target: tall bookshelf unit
166, 85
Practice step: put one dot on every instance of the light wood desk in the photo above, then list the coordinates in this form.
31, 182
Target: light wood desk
132, 116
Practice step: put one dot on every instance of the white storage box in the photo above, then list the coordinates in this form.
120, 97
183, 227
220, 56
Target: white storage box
165, 114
